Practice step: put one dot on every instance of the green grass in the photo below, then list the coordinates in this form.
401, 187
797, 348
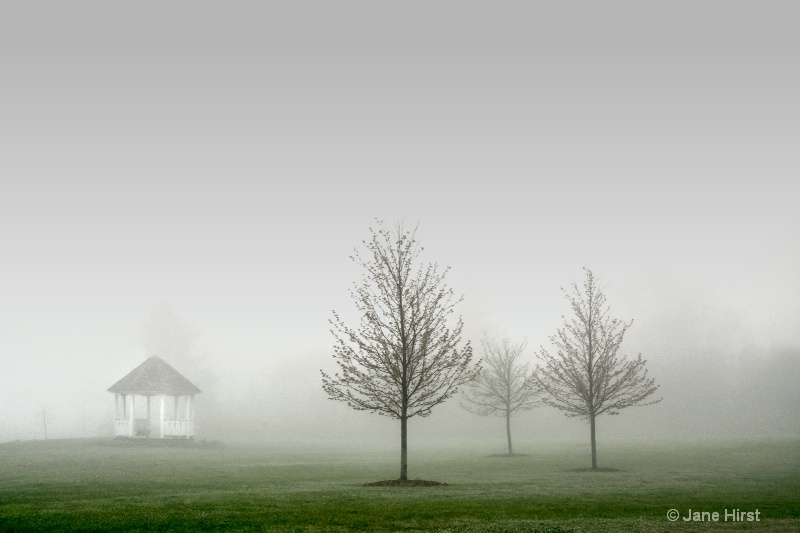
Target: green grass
97, 486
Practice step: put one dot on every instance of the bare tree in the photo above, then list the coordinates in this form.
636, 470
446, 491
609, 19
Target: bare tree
403, 359
586, 377
45, 419
504, 385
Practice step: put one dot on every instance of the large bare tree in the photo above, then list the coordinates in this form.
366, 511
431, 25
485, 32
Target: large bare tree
404, 358
586, 377
504, 385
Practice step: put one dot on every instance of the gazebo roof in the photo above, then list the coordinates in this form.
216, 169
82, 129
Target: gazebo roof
154, 376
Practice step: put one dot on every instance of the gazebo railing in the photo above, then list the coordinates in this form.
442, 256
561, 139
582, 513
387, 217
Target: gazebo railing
172, 428
178, 428
122, 427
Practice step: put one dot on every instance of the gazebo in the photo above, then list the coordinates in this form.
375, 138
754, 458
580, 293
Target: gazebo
154, 382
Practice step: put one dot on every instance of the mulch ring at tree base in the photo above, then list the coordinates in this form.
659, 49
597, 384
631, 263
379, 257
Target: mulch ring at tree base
404, 483
598, 469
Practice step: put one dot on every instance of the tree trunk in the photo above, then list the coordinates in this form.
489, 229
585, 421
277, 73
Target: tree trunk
508, 431
403, 447
594, 445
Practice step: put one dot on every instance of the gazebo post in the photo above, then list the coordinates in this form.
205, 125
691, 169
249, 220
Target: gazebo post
161, 425
116, 412
147, 426
189, 415
133, 408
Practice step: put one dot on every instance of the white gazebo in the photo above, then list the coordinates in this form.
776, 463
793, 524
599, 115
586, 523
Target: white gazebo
154, 386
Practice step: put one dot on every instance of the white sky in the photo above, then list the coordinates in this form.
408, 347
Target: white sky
228, 159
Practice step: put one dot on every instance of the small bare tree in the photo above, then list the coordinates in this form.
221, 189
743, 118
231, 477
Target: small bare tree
45, 419
586, 377
403, 359
504, 385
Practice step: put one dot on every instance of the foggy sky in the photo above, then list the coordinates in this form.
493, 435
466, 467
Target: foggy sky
229, 158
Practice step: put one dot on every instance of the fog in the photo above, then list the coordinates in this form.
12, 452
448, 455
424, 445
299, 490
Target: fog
224, 162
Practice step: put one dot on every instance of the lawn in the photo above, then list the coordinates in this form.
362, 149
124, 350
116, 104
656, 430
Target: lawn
103, 485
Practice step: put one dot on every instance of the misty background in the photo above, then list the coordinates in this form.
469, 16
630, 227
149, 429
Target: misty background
218, 164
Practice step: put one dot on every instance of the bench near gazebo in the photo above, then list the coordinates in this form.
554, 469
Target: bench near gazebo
154, 401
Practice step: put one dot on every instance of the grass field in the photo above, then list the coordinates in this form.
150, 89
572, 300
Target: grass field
102, 485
